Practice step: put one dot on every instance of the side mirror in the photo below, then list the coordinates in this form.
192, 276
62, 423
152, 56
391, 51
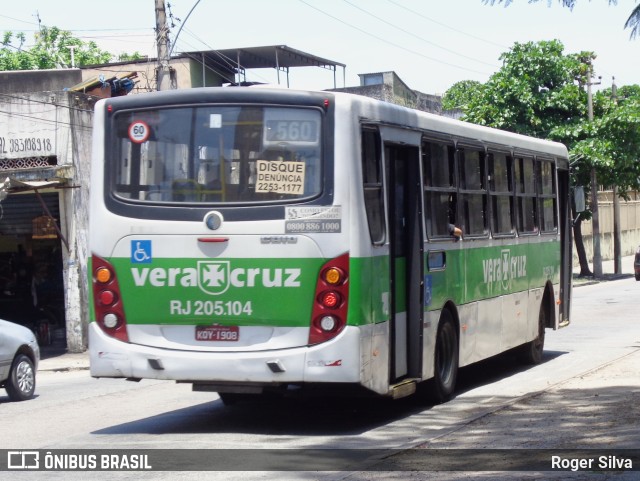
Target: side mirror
578, 197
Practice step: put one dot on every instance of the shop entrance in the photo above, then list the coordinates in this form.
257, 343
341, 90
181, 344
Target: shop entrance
31, 281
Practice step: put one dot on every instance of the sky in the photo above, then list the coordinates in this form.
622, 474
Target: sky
430, 44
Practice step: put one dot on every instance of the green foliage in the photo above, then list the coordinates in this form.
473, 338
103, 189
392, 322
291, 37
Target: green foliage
127, 57
611, 142
52, 49
534, 91
633, 22
460, 94
12, 57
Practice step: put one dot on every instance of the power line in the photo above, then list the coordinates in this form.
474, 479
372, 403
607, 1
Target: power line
17, 20
392, 43
446, 26
115, 37
417, 36
225, 62
181, 24
53, 104
40, 119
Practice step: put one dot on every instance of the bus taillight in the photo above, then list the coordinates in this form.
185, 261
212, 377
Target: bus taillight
107, 301
330, 307
330, 299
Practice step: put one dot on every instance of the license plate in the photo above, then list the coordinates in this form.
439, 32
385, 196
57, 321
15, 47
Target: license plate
217, 333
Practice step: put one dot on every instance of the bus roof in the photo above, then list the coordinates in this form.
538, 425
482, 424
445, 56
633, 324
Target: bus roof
369, 109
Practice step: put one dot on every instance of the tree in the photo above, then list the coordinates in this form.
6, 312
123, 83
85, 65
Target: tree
633, 22
534, 90
53, 48
538, 92
610, 144
128, 57
611, 141
460, 94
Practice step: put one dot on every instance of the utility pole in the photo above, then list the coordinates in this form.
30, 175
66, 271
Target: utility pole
617, 248
595, 218
162, 40
73, 58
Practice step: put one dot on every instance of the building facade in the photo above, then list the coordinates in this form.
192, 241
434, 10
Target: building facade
45, 148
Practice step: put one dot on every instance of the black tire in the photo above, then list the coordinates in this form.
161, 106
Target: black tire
531, 352
233, 398
22, 379
230, 398
266, 397
446, 359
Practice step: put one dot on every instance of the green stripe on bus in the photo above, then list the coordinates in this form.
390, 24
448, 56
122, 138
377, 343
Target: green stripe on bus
469, 275
281, 291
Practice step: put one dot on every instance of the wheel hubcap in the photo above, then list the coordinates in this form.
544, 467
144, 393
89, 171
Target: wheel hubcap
25, 377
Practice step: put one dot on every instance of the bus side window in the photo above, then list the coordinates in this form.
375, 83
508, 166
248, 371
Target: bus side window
501, 193
473, 192
526, 195
438, 167
546, 177
372, 184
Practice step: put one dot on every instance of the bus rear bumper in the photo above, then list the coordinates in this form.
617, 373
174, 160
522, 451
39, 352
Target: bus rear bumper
337, 360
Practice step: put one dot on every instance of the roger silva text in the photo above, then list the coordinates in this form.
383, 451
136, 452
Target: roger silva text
607, 463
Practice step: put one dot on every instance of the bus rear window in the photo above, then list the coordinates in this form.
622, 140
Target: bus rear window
216, 154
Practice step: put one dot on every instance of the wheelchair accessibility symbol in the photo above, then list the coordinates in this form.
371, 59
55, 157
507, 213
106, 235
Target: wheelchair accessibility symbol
141, 252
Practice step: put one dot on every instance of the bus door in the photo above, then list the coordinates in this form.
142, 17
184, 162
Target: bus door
404, 203
566, 245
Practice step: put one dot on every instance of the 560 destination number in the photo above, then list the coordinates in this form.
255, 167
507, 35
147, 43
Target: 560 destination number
210, 308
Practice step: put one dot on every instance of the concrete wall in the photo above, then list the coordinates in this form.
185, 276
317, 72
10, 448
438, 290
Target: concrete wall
76, 203
26, 81
629, 227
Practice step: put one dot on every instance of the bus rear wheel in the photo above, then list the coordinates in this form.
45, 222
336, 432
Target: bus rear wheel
446, 359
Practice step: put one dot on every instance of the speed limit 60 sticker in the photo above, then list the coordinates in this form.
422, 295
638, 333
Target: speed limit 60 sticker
139, 132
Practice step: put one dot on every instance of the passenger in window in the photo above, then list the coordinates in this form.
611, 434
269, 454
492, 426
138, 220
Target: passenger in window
455, 231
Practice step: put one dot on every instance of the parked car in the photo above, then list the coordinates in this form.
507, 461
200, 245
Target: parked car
24, 313
19, 357
636, 265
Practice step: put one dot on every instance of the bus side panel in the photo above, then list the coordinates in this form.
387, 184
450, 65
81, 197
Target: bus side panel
369, 307
516, 319
497, 292
369, 296
431, 319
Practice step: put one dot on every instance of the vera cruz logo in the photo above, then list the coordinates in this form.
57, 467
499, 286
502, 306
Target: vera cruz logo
216, 277
500, 272
213, 276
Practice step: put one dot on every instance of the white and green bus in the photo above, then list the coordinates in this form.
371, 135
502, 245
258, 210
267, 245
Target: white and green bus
255, 240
